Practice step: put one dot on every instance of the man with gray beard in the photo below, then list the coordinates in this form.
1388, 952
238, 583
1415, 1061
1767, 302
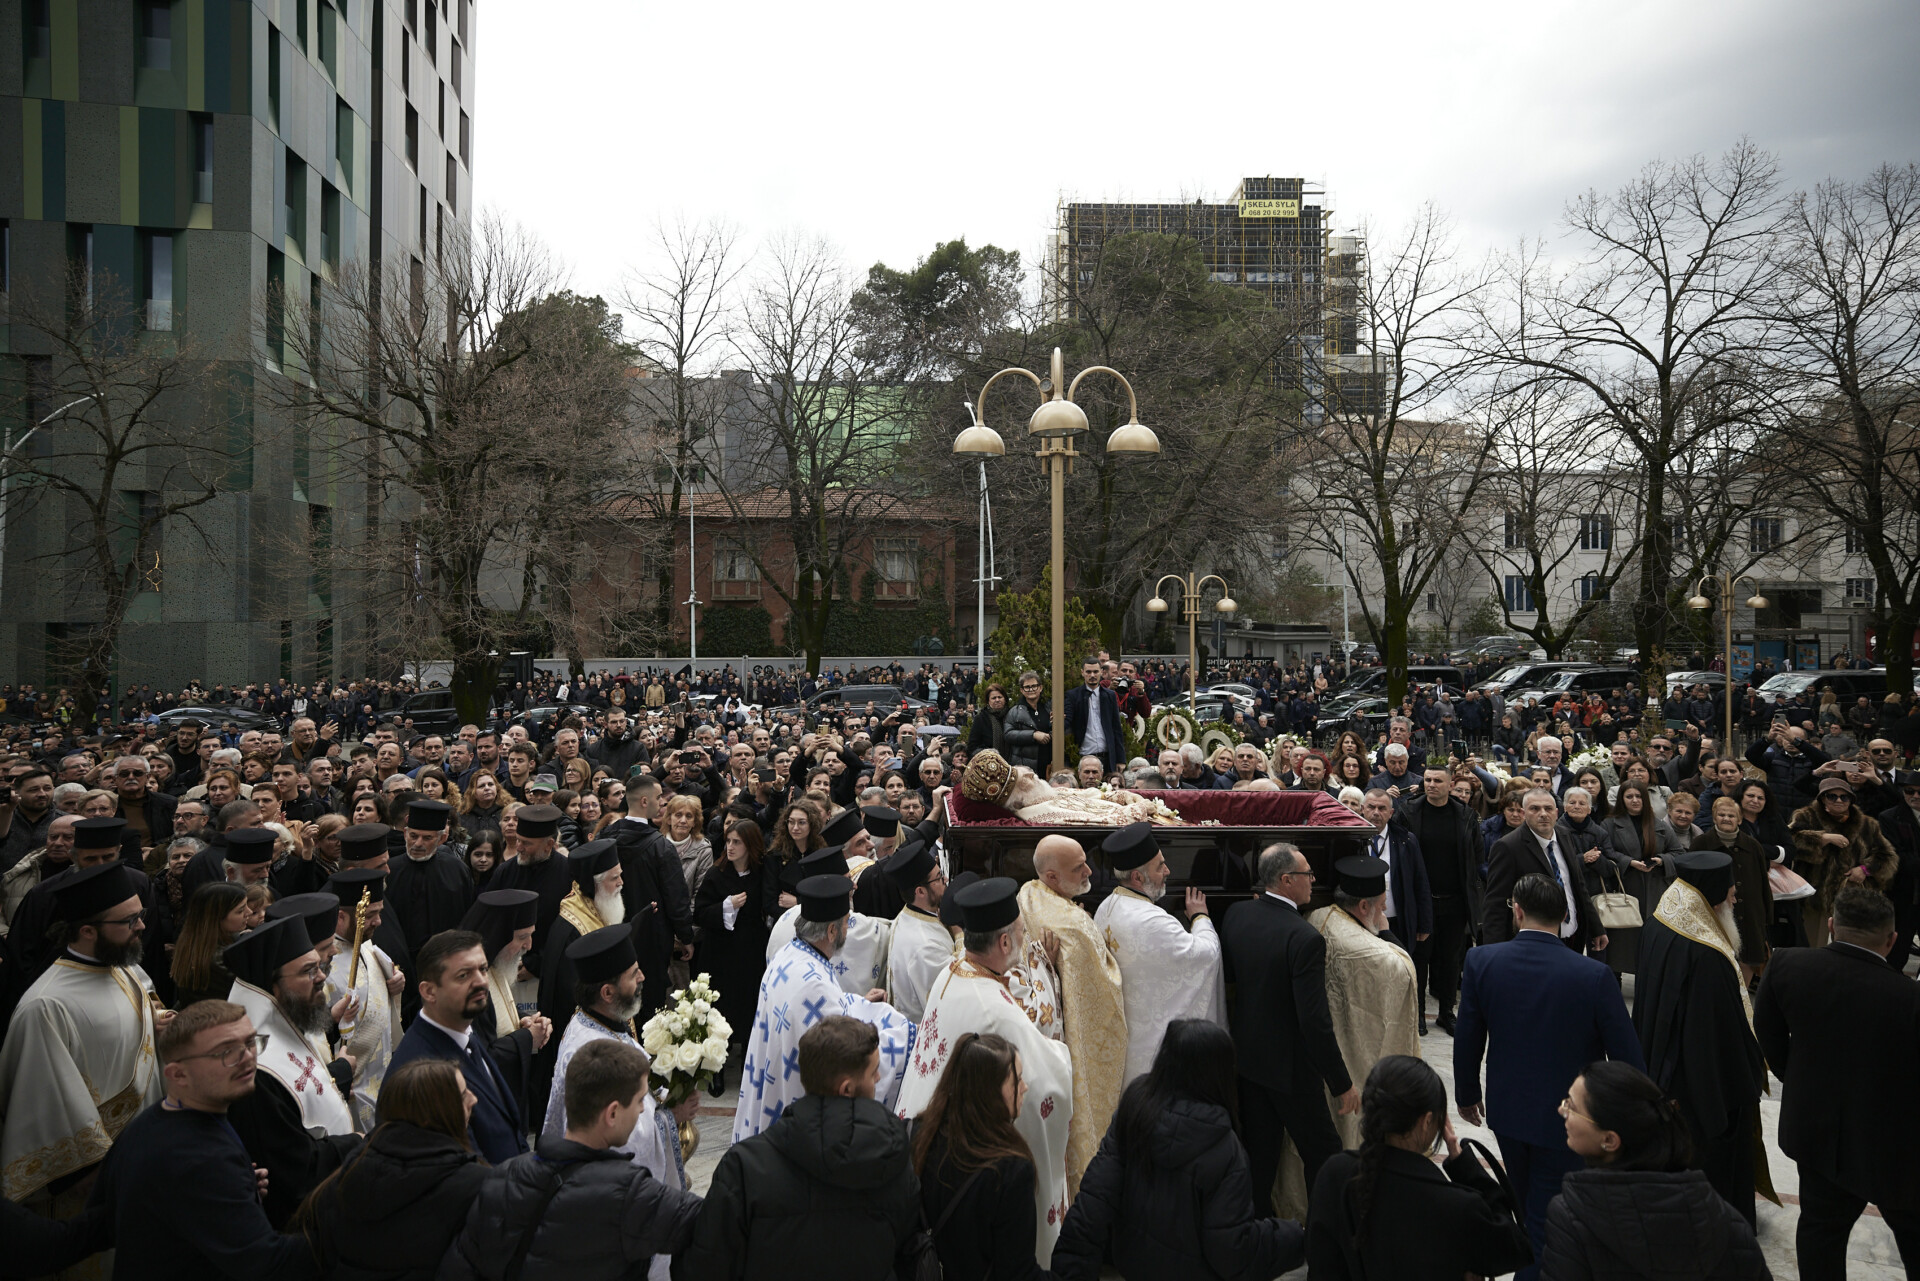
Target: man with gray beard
1695, 1023
593, 904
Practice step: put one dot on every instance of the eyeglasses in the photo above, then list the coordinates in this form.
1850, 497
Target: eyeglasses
1567, 1109
315, 973
231, 1055
129, 921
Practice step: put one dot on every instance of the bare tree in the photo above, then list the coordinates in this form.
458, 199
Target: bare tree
1660, 321
126, 442
445, 392
1851, 347
1389, 461
683, 310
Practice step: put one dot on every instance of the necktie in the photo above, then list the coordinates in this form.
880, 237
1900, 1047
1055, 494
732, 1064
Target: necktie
1553, 865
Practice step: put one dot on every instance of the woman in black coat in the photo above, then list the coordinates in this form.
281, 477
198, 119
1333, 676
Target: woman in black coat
734, 954
1168, 1194
391, 1212
990, 722
976, 1172
1637, 1210
1388, 1211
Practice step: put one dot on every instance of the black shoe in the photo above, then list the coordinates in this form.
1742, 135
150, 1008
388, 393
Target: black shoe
718, 1085
1423, 1023
1445, 1022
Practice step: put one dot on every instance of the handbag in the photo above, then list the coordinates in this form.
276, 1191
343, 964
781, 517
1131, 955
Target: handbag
1617, 909
1787, 885
919, 1247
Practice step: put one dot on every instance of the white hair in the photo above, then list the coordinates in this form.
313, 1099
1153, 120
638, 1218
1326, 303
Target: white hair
226, 756
1351, 795
1572, 792
1546, 739
1191, 753
1396, 749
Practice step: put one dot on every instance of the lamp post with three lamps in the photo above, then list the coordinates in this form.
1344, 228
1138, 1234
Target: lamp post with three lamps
1726, 581
1190, 605
1054, 425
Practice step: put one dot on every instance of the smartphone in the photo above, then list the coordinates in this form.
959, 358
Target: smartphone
1779, 720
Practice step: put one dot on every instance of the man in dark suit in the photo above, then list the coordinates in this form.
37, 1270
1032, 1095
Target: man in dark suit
1409, 895
451, 972
1841, 1028
655, 891
1448, 833
1540, 1014
1534, 847
1282, 1028
1097, 735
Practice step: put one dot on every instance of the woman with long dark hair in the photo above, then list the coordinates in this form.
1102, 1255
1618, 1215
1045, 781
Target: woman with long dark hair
1169, 1194
1646, 844
393, 1210
799, 831
216, 913
1637, 1210
976, 1172
1386, 1211
733, 929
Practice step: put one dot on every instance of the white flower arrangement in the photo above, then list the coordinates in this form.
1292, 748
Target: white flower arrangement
687, 1040
1593, 758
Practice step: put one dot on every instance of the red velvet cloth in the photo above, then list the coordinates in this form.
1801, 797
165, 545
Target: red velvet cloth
1231, 809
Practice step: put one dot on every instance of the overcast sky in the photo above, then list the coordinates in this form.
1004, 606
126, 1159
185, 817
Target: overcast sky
887, 128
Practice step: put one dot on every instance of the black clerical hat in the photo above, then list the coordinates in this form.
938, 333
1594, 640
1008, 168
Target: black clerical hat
844, 827
88, 891
537, 821
824, 898
604, 955
363, 841
1361, 875
349, 883
496, 914
251, 845
320, 911
950, 902
595, 858
909, 867
99, 833
428, 815
830, 861
1709, 871
881, 821
1130, 847
990, 905
257, 956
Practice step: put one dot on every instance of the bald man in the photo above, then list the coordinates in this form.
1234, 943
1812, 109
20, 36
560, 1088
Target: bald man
1092, 1014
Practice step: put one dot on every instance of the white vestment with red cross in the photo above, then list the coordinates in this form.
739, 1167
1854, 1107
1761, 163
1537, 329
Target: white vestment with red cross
290, 1058
965, 999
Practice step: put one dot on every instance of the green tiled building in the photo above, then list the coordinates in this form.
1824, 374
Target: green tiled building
199, 152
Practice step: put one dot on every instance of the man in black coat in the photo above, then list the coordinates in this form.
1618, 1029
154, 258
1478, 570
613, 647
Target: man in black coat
1535, 847
1097, 736
430, 889
616, 749
577, 1208
1901, 824
537, 865
1841, 1027
655, 890
1448, 833
828, 1190
1282, 1027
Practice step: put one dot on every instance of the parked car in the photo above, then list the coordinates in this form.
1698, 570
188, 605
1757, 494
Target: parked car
1524, 675
1849, 685
1374, 679
1588, 680
239, 717
431, 711
542, 720
854, 698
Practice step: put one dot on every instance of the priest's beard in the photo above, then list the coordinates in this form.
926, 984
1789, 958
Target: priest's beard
107, 952
306, 1016
1028, 789
1723, 912
612, 908
625, 1009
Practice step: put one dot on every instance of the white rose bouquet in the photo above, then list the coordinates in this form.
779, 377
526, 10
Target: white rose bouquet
687, 1040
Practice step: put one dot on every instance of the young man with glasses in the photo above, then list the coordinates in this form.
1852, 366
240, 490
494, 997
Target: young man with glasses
298, 1094
181, 1192
78, 1062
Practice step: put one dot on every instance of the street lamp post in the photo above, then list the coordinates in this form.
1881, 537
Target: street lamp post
1726, 581
693, 580
1054, 425
1190, 591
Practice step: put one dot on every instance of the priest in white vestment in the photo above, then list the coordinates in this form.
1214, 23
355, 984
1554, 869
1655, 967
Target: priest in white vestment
921, 946
860, 965
261, 960
370, 1022
801, 987
972, 996
606, 959
78, 1062
1166, 972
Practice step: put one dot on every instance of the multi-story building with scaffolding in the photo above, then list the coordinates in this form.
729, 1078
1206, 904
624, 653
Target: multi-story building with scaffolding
1271, 238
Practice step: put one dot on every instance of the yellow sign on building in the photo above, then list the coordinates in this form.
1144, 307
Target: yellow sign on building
1269, 208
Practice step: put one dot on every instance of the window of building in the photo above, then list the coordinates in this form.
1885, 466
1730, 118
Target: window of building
1596, 532
1787, 607
1856, 541
460, 26
896, 563
466, 140
80, 265
417, 291
273, 78
329, 40
156, 35
440, 125
6, 256
277, 307
316, 316
439, 235
343, 139
735, 576
406, 67
1764, 534
430, 35
413, 139
300, 24
1518, 594
1433, 602
1860, 589
201, 127
296, 210
453, 181
1590, 587
412, 15
423, 219
1677, 533
455, 56
36, 18
1516, 532
156, 254
330, 225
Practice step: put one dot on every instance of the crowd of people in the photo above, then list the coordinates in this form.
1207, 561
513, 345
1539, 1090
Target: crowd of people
339, 997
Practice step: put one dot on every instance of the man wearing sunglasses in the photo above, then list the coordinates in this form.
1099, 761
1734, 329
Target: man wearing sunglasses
78, 1062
